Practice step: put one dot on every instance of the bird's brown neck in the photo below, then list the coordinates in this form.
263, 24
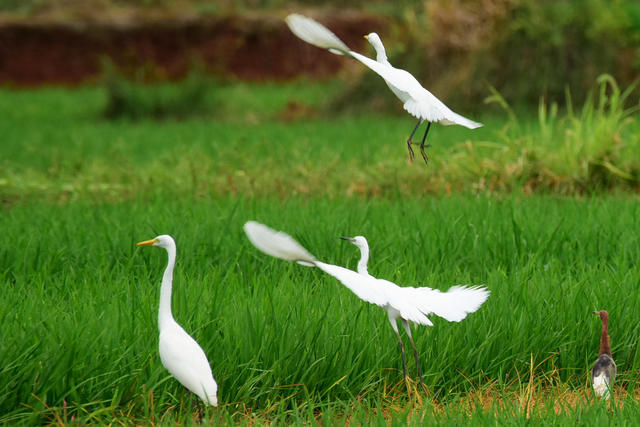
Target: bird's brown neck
605, 347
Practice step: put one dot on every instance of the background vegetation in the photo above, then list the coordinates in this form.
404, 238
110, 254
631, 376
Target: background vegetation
524, 48
274, 139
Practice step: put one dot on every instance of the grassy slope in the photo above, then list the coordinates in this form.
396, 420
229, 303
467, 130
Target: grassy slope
56, 146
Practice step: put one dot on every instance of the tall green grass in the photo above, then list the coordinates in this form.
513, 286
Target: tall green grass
290, 344
591, 148
274, 139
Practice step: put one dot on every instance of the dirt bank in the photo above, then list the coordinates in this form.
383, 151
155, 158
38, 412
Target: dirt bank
257, 47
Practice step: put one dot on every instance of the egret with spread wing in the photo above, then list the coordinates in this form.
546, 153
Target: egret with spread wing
180, 354
408, 304
418, 101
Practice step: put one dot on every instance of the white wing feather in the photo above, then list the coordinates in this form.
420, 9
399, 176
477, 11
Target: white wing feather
183, 357
367, 288
453, 305
315, 33
277, 244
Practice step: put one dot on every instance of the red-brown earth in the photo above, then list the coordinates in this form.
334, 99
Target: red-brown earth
254, 47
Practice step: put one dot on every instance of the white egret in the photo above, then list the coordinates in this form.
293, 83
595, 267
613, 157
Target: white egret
180, 354
604, 371
408, 304
418, 101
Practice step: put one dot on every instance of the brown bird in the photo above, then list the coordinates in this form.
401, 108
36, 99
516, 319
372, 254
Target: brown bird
604, 371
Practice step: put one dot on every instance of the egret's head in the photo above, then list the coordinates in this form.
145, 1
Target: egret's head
374, 40
359, 241
604, 315
163, 241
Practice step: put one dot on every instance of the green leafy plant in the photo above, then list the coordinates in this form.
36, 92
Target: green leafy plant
133, 98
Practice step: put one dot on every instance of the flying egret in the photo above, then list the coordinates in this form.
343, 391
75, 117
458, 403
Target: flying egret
418, 101
180, 354
408, 304
604, 371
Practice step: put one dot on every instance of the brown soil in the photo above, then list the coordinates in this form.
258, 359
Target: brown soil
258, 47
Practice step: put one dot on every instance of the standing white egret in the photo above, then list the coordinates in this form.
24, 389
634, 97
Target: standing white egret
180, 354
408, 304
418, 101
604, 371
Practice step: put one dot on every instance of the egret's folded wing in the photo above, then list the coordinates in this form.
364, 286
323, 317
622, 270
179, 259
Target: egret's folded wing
277, 244
365, 287
315, 33
185, 360
453, 305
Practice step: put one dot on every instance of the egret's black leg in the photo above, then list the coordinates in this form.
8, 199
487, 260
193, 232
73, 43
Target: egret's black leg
415, 351
404, 363
422, 146
409, 142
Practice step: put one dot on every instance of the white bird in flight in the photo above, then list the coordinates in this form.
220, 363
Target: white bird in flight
180, 354
408, 304
418, 101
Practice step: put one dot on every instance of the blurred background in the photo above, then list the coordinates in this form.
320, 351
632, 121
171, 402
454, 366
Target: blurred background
524, 49
554, 82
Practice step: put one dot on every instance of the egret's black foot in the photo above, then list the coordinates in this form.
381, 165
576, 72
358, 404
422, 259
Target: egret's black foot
424, 155
410, 150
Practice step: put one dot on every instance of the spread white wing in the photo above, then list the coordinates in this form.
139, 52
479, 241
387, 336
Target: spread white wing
452, 305
277, 244
315, 33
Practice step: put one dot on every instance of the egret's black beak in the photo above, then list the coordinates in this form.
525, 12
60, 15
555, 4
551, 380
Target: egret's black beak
348, 239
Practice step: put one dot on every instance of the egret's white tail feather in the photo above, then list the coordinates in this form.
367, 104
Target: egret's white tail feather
277, 244
316, 34
453, 305
453, 118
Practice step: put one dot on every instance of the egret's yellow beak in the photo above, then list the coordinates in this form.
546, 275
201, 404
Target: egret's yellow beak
146, 242
366, 37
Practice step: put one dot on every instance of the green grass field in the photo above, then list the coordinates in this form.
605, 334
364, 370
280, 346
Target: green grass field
289, 344
81, 302
57, 145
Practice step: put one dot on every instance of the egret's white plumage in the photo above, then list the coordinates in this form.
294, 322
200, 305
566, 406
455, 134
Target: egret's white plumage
417, 100
604, 371
409, 304
180, 354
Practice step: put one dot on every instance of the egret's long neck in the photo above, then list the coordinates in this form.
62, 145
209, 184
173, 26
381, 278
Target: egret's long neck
364, 259
381, 54
605, 347
164, 313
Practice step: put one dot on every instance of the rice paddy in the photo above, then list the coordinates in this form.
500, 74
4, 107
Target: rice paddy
289, 344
